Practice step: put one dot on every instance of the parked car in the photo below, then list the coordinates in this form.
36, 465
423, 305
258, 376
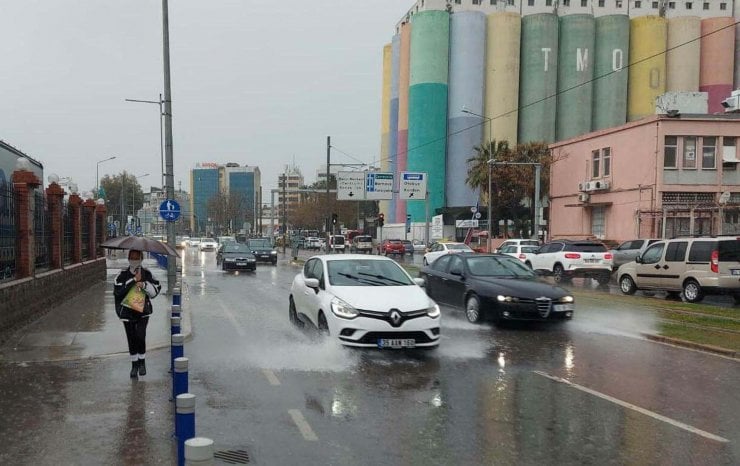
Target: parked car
408, 246
517, 242
237, 256
419, 245
365, 301
362, 243
565, 259
496, 286
391, 246
263, 250
208, 244
313, 242
438, 250
629, 250
336, 244
523, 253
695, 266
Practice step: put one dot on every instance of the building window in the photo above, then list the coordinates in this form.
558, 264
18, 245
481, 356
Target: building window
706, 5
670, 147
708, 153
606, 160
457, 2
530, 2
510, 2
601, 3
655, 5
723, 6
595, 168
729, 154
689, 153
638, 4
548, 2
598, 222
566, 2
584, 2
619, 3
672, 5
476, 2
688, 5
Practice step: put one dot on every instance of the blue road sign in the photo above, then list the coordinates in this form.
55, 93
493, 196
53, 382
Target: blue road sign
169, 210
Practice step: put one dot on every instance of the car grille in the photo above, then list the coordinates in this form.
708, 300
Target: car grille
386, 316
373, 337
542, 304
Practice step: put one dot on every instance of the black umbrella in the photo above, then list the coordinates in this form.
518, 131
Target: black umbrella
141, 244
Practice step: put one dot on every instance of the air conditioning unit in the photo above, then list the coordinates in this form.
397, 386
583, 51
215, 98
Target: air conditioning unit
599, 185
584, 197
582, 186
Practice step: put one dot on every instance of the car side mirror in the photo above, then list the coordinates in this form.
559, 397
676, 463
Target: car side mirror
638, 259
457, 273
312, 283
420, 281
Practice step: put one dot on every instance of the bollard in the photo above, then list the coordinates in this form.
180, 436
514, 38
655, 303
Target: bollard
198, 451
176, 310
174, 325
180, 382
184, 423
176, 298
177, 350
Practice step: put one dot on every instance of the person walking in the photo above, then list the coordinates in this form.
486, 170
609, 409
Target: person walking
133, 290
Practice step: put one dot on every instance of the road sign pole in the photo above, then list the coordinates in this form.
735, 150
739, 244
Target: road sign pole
426, 219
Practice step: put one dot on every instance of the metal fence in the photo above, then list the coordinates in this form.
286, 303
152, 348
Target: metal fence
7, 232
99, 231
68, 234
41, 232
85, 229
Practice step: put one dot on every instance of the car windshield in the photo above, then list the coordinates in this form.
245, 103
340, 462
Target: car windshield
338, 239
235, 248
585, 247
260, 243
459, 246
366, 272
504, 266
364, 239
529, 249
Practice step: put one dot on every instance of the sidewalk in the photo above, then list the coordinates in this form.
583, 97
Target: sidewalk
86, 326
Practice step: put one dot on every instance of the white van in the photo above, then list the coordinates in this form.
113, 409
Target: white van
695, 266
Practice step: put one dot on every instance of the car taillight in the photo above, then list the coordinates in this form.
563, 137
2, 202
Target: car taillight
572, 255
608, 256
522, 256
715, 261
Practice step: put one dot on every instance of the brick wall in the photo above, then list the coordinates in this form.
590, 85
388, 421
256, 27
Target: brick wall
25, 300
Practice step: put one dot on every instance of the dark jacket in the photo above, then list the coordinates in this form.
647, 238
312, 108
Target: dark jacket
123, 283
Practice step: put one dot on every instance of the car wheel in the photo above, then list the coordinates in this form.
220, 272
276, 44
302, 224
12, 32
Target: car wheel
293, 315
692, 291
528, 264
558, 273
627, 285
604, 279
472, 309
323, 325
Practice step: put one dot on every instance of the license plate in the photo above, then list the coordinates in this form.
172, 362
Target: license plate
591, 261
396, 343
735, 271
241, 263
563, 307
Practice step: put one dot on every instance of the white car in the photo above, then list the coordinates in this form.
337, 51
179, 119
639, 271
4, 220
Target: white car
208, 244
440, 249
517, 242
364, 301
194, 242
523, 253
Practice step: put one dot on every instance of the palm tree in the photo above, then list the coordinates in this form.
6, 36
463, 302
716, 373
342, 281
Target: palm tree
478, 169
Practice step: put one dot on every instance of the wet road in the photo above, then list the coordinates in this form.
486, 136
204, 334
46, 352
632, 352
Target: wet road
590, 391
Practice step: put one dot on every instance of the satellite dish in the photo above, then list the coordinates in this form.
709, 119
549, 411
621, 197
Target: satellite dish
724, 198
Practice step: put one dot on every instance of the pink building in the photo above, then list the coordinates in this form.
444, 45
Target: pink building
656, 177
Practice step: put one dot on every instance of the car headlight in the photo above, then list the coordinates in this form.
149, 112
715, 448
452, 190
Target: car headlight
229, 260
273, 252
567, 299
342, 309
506, 299
433, 311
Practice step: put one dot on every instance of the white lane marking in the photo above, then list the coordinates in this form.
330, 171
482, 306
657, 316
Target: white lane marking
232, 318
302, 424
271, 377
644, 411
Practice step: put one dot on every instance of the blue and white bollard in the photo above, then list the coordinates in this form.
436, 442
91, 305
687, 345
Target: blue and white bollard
174, 325
177, 349
176, 310
199, 451
180, 381
184, 423
176, 297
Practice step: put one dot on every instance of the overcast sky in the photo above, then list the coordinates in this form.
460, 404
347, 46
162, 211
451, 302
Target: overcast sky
254, 82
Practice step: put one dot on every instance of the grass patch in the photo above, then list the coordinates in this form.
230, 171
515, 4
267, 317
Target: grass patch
701, 319
704, 337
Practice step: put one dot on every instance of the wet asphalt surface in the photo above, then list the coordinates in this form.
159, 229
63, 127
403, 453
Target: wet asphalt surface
487, 395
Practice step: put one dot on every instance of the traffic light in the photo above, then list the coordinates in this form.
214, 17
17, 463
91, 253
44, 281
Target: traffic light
381, 219
334, 219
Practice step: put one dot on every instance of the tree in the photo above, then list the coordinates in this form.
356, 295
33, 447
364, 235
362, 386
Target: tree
228, 212
133, 196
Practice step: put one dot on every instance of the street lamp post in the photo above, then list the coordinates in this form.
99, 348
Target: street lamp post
97, 174
490, 172
161, 142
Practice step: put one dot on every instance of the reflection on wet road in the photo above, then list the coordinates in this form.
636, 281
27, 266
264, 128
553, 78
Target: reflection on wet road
486, 395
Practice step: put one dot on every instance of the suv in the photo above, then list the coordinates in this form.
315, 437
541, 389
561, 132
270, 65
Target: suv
565, 259
518, 242
362, 243
629, 250
391, 246
694, 266
336, 243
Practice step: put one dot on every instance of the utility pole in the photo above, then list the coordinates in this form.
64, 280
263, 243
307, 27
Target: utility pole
329, 226
285, 212
169, 169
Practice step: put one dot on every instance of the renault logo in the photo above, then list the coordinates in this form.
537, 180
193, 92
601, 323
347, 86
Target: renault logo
395, 318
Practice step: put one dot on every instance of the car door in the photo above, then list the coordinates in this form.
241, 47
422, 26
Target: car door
313, 296
538, 259
625, 252
454, 286
674, 265
649, 270
437, 275
300, 298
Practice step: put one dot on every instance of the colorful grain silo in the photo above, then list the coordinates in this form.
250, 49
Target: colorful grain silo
403, 113
682, 58
502, 75
385, 117
610, 71
717, 60
736, 14
575, 75
538, 78
390, 213
466, 91
648, 36
427, 133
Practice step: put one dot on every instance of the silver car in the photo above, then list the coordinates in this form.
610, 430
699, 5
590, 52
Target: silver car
629, 250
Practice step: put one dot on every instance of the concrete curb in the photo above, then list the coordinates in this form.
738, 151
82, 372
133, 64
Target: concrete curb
693, 345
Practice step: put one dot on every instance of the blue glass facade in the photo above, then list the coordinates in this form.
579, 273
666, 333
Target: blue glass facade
242, 184
205, 185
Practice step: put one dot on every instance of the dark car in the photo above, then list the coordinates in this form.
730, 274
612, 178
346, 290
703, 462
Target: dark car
263, 250
220, 250
237, 256
496, 286
391, 246
408, 246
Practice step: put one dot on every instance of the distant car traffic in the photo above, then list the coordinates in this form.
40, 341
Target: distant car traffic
361, 243
419, 245
408, 246
337, 243
365, 301
194, 242
208, 244
236, 256
438, 250
312, 242
263, 250
523, 253
391, 246
495, 286
518, 242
